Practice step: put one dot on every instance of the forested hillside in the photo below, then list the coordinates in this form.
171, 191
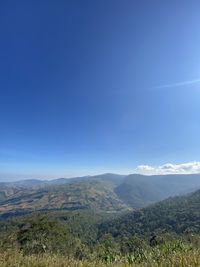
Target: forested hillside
154, 236
177, 215
107, 192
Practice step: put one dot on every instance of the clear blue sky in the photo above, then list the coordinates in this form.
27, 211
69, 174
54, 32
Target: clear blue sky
97, 86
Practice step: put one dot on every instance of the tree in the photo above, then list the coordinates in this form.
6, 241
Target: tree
39, 234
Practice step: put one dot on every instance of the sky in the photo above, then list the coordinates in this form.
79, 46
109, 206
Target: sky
89, 87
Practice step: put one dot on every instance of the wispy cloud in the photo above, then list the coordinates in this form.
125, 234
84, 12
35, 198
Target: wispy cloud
169, 168
179, 84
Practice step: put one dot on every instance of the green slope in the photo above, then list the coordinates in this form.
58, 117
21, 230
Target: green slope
179, 215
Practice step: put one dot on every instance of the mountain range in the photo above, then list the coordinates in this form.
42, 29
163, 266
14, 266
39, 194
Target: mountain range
107, 192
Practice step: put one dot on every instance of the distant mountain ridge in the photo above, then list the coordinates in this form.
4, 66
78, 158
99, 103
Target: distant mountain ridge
57, 181
140, 190
107, 192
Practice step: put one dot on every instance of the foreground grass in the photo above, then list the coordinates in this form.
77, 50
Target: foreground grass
178, 259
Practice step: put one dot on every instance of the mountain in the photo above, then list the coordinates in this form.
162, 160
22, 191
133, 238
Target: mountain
95, 193
179, 215
23, 188
139, 190
115, 178
106, 192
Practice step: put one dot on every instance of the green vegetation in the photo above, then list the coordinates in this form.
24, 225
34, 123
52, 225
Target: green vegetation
163, 234
107, 193
180, 215
83, 238
33, 249
156, 259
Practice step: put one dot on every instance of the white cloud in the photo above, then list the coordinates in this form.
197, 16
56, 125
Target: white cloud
169, 168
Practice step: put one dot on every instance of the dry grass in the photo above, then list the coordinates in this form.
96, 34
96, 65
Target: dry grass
17, 259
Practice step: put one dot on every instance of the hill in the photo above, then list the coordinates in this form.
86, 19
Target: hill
139, 190
87, 235
178, 215
106, 192
93, 194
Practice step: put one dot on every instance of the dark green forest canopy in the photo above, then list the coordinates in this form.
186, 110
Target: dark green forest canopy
166, 228
100, 226
179, 215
